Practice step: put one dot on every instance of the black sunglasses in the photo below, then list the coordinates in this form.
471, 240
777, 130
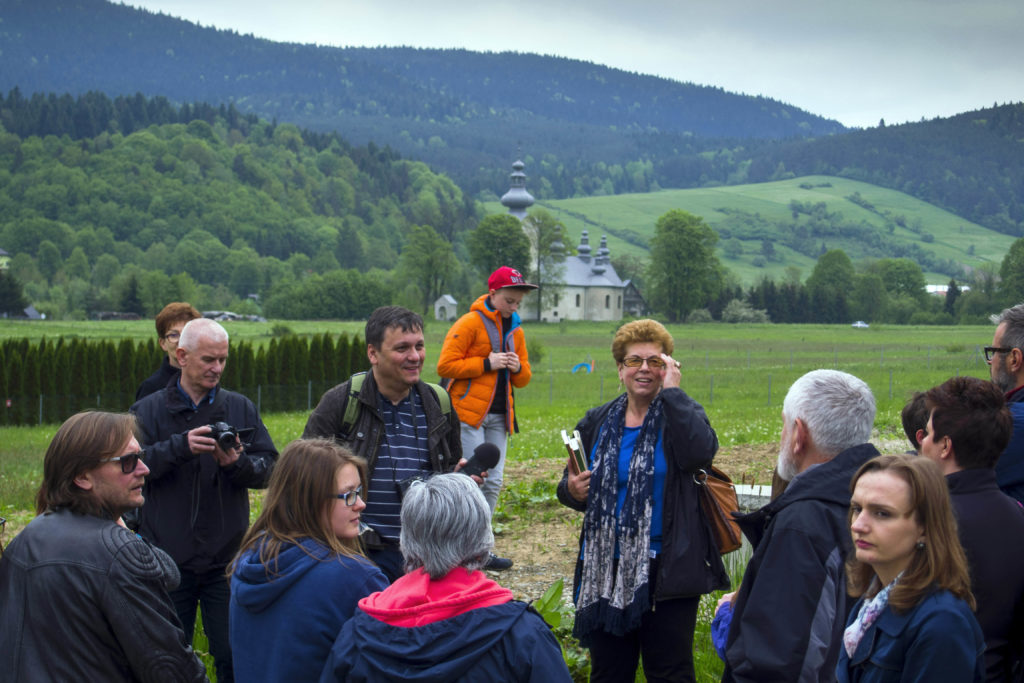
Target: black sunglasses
991, 351
129, 461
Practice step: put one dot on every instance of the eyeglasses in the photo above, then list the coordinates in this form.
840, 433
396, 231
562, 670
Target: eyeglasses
172, 336
350, 497
636, 361
991, 351
129, 461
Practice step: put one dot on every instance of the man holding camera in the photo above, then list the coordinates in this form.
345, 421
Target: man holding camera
197, 499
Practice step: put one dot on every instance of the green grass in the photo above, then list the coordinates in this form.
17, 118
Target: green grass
740, 373
637, 213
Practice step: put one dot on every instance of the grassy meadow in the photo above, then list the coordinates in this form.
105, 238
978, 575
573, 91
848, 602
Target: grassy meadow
637, 213
740, 373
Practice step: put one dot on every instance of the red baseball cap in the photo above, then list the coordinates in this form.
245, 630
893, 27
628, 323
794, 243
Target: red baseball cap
508, 277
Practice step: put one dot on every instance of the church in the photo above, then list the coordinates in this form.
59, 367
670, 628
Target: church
588, 286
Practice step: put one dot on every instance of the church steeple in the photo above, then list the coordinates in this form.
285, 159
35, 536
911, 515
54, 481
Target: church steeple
517, 199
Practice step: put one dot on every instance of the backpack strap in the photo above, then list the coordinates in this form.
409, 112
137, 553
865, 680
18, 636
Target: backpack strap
353, 405
493, 333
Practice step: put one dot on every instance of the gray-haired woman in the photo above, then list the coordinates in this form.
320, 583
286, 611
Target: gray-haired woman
445, 620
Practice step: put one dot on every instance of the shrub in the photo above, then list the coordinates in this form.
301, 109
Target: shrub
699, 315
737, 311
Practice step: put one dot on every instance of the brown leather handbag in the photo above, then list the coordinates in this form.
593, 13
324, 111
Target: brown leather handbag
718, 501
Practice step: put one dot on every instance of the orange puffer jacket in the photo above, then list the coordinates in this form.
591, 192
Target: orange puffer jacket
465, 349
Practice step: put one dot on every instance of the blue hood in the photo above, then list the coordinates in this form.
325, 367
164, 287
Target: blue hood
257, 590
481, 644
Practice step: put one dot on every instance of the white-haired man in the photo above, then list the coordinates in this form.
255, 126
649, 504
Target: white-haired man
788, 616
197, 493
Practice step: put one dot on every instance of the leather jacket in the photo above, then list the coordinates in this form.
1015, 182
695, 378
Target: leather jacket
84, 599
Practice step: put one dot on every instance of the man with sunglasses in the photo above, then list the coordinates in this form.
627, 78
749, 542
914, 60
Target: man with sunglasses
84, 598
1005, 359
169, 323
197, 493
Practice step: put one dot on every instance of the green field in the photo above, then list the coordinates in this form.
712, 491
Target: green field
740, 373
636, 213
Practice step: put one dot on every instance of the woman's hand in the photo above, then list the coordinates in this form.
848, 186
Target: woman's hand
578, 482
673, 373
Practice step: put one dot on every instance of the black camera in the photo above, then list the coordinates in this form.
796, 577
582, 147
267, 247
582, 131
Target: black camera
225, 435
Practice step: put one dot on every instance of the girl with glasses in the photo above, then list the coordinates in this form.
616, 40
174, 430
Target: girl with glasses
300, 570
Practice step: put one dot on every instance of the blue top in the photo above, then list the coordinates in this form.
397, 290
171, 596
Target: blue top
283, 625
629, 435
938, 640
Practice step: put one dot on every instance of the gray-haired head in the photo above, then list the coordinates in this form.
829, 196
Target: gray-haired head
446, 523
201, 328
1013, 333
838, 409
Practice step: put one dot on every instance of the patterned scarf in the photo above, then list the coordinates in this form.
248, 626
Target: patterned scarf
869, 612
610, 600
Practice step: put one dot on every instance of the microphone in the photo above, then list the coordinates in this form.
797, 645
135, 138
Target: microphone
485, 456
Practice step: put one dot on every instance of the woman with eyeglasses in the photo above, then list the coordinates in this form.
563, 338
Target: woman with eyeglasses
647, 553
300, 570
914, 620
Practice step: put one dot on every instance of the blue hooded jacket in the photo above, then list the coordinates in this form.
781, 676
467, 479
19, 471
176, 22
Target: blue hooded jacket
284, 623
488, 643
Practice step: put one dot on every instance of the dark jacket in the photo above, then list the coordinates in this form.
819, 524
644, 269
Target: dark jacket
83, 599
689, 563
444, 440
463, 627
195, 509
158, 380
937, 641
284, 621
1010, 466
791, 608
991, 529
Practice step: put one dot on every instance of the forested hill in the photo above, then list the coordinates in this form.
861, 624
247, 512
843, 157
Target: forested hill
462, 111
203, 204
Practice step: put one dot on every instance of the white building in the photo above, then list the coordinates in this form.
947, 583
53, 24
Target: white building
589, 288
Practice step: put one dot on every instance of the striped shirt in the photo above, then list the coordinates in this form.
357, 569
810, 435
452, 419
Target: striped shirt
403, 454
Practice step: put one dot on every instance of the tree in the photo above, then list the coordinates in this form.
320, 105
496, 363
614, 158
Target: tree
901, 277
869, 298
1011, 274
829, 286
952, 294
12, 299
684, 273
499, 240
548, 237
428, 262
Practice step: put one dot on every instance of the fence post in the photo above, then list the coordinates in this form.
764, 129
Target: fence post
40, 409
309, 395
769, 389
711, 392
601, 398
551, 382
259, 398
890, 385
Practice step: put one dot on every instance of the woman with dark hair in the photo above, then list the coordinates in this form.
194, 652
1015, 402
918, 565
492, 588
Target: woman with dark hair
914, 619
300, 570
647, 553
444, 620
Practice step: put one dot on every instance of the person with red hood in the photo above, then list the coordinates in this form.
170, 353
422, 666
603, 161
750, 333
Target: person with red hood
445, 620
484, 355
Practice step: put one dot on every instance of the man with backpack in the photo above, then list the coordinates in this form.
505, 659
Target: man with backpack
403, 427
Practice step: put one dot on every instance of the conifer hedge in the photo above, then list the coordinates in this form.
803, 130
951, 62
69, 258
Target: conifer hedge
48, 380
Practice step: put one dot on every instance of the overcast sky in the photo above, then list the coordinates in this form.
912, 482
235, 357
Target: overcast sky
856, 61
